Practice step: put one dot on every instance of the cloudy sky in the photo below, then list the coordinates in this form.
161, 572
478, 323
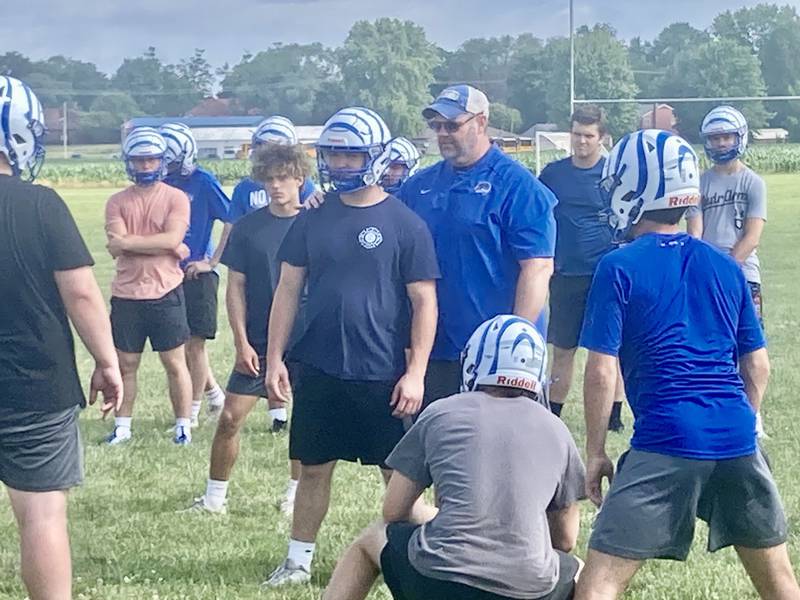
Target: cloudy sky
105, 32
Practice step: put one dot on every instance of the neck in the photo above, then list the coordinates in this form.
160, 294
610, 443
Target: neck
478, 152
644, 226
364, 197
730, 167
289, 209
5, 168
586, 162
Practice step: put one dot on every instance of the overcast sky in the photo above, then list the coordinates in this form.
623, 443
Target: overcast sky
106, 32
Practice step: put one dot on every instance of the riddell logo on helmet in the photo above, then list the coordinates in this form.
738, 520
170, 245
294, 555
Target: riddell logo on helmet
518, 382
684, 200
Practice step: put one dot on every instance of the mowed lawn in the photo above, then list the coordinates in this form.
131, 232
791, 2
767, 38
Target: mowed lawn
129, 543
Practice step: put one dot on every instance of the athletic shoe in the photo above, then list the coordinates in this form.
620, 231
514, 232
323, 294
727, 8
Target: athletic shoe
213, 411
287, 574
182, 437
120, 435
199, 506
278, 426
195, 421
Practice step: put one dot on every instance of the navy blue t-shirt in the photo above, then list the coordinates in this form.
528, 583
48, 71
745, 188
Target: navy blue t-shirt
484, 220
358, 263
678, 313
208, 203
582, 237
250, 195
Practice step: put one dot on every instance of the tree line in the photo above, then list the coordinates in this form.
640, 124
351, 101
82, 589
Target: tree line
391, 66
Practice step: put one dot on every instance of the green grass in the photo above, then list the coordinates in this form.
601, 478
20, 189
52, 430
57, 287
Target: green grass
128, 543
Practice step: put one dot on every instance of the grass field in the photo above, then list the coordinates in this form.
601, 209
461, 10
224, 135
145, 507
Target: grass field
128, 542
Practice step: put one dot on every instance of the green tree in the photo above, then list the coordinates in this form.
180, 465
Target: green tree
780, 68
299, 81
198, 72
387, 65
527, 85
157, 88
720, 67
77, 76
484, 63
504, 117
751, 26
15, 65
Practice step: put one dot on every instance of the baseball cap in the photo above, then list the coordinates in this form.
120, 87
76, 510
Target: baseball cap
457, 100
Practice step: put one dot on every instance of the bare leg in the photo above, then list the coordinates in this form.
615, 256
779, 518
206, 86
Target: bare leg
128, 366
211, 381
197, 361
180, 383
225, 448
770, 571
44, 543
561, 374
312, 500
359, 566
605, 577
421, 512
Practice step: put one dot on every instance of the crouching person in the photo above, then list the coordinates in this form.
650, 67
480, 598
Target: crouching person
508, 477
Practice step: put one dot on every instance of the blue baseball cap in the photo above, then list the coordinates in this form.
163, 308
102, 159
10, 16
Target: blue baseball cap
457, 100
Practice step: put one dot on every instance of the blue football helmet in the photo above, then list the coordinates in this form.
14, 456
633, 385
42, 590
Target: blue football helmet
405, 154
724, 119
22, 128
181, 148
275, 130
144, 142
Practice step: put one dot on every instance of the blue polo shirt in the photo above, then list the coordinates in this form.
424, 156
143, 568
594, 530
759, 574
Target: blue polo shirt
484, 220
583, 237
249, 196
679, 314
208, 203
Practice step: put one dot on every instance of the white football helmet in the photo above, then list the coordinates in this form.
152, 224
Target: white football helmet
724, 119
648, 170
505, 351
275, 130
144, 142
181, 148
22, 128
402, 152
357, 130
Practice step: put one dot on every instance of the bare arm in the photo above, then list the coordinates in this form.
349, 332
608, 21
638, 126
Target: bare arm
694, 225
754, 369
401, 494
87, 310
223, 241
167, 241
599, 384
753, 228
236, 305
281, 321
564, 525
532, 287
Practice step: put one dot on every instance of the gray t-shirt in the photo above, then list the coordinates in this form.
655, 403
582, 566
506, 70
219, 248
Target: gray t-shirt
498, 464
727, 201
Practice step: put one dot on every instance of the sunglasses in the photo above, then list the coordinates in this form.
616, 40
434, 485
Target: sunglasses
449, 126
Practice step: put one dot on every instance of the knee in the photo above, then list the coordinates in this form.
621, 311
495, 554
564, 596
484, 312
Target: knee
316, 474
229, 424
128, 365
175, 368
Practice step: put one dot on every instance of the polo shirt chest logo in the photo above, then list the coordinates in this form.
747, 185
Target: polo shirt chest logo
483, 187
370, 238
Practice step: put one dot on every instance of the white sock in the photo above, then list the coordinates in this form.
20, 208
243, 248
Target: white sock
216, 492
278, 414
291, 489
301, 553
186, 424
759, 426
123, 422
216, 396
196, 409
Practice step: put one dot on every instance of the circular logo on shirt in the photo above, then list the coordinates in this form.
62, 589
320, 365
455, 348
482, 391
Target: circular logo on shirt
370, 237
483, 187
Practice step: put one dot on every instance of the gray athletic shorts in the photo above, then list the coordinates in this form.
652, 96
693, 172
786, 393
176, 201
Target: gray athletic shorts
655, 500
247, 385
40, 451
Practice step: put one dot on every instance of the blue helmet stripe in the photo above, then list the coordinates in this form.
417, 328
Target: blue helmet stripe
350, 128
623, 143
482, 344
5, 118
641, 184
506, 325
661, 143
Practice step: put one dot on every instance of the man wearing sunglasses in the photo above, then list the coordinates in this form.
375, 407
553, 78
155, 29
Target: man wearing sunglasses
493, 227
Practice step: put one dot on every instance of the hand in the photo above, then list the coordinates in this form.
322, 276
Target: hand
107, 381
195, 269
116, 244
247, 361
598, 467
183, 252
279, 388
407, 396
315, 200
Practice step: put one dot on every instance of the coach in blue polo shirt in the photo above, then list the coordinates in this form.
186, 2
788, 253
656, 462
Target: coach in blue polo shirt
493, 227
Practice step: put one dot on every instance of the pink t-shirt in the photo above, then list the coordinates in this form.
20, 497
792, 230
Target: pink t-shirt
146, 210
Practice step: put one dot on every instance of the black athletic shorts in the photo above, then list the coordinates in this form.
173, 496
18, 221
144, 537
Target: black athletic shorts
336, 419
654, 501
247, 385
40, 451
201, 304
567, 306
406, 583
162, 320
442, 379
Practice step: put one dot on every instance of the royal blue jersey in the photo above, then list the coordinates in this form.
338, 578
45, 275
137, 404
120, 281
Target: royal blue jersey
249, 196
582, 237
678, 313
484, 220
208, 204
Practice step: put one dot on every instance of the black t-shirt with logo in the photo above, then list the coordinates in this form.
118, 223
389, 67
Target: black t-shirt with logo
359, 260
38, 236
252, 250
